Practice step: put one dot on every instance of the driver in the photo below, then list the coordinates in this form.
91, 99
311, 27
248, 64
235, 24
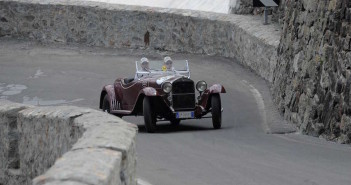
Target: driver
168, 63
144, 64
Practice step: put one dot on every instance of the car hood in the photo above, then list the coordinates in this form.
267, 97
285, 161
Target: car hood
160, 79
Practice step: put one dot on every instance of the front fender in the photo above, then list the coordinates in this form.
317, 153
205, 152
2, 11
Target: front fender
217, 88
214, 89
149, 91
109, 90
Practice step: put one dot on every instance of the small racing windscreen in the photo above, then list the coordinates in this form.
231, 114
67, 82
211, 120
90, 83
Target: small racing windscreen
180, 67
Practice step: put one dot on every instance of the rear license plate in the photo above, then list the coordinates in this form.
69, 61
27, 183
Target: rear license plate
185, 114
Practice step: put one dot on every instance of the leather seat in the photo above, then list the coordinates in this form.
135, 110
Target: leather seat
128, 80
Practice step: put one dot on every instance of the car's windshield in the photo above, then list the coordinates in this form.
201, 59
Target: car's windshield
159, 67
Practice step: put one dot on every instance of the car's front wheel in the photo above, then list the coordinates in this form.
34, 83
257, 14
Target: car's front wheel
216, 111
106, 104
149, 115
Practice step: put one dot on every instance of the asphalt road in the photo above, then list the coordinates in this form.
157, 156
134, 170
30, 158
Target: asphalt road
192, 154
219, 6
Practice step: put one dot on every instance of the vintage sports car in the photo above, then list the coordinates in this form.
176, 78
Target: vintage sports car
162, 95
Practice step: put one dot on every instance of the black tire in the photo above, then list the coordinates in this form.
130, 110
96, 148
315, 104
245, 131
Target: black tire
216, 111
149, 115
106, 104
175, 122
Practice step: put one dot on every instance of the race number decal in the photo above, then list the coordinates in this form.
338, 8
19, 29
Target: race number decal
159, 81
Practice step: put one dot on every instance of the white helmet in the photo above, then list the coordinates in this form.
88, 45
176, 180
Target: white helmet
166, 59
143, 60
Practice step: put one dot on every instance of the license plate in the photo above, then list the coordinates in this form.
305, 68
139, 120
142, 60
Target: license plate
185, 114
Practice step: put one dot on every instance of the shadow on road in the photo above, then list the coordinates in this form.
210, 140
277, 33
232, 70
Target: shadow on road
167, 128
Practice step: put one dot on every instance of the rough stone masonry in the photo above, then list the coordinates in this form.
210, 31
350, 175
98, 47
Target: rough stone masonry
64, 144
312, 80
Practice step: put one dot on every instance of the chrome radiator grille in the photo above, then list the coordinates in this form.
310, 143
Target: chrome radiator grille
183, 94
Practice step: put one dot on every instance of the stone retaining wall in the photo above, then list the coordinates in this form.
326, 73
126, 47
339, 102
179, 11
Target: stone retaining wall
64, 144
313, 76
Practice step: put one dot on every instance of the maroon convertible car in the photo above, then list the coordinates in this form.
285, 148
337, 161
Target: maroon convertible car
161, 95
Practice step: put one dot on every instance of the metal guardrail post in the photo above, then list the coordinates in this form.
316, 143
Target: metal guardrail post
265, 4
265, 16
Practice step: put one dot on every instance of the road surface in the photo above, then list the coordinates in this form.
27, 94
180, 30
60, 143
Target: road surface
218, 6
192, 154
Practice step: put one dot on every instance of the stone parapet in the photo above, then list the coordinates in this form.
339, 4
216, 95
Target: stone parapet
61, 144
9, 138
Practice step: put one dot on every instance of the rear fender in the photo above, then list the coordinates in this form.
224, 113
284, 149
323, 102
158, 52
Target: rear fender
109, 90
205, 97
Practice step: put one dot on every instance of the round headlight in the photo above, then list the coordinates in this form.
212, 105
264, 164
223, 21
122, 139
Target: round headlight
167, 87
201, 86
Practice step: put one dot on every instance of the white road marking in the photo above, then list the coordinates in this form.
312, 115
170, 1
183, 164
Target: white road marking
260, 104
142, 182
38, 74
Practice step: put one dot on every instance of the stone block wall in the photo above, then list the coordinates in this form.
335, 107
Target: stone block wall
241, 7
65, 144
9, 139
312, 81
277, 14
46, 134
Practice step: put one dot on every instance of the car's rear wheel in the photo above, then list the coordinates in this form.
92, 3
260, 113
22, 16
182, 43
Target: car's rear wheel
106, 104
149, 115
216, 111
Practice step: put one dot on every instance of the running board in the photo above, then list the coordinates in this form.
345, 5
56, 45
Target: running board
209, 110
121, 112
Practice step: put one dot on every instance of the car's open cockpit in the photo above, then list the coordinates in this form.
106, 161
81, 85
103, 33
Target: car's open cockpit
179, 67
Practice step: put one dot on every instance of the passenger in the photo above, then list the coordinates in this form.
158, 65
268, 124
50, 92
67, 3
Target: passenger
144, 64
168, 63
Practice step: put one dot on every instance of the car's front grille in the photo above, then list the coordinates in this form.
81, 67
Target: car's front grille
183, 94
184, 101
